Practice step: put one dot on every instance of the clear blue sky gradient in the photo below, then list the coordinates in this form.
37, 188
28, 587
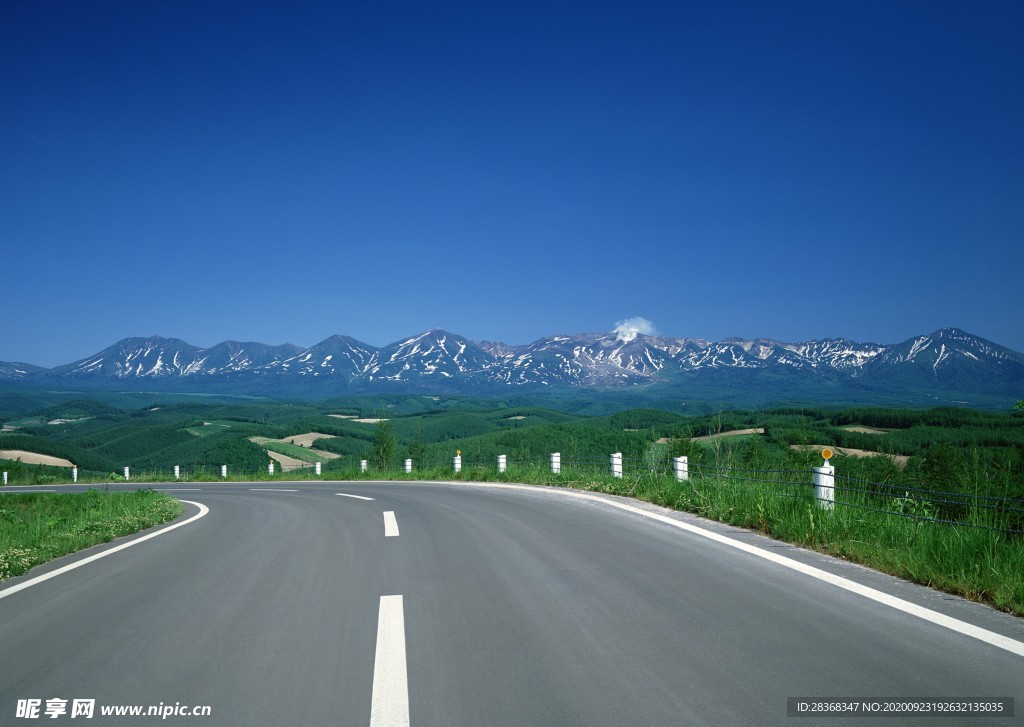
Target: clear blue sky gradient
281, 172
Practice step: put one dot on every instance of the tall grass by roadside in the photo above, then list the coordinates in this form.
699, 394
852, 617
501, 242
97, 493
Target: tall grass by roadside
38, 527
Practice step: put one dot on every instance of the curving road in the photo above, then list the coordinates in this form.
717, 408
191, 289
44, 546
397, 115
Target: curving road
341, 603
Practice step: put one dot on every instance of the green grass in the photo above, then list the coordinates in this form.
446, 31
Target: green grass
35, 528
208, 428
295, 451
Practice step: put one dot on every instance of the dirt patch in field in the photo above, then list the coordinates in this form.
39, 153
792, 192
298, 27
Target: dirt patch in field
901, 460
734, 433
305, 440
864, 430
33, 458
370, 421
344, 416
299, 440
288, 463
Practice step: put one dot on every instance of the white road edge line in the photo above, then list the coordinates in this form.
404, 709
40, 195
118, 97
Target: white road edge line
954, 624
203, 509
390, 525
390, 702
268, 489
355, 497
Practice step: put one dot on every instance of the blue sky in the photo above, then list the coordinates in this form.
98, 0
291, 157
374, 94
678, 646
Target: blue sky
282, 172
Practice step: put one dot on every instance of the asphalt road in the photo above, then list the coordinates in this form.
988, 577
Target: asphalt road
441, 604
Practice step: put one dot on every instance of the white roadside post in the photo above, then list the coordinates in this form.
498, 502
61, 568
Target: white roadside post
316, 468
363, 465
5, 478
270, 468
126, 473
457, 461
502, 463
825, 483
408, 466
224, 471
617, 465
681, 465
177, 472
556, 462
74, 474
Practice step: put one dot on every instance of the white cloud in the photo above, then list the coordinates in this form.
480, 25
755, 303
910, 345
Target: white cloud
630, 328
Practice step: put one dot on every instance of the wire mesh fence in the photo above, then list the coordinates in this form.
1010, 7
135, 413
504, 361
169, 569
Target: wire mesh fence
943, 506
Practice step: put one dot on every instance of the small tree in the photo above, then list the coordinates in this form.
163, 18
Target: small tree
384, 443
417, 450
1019, 407
681, 444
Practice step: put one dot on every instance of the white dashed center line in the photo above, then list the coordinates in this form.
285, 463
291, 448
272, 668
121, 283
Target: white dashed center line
390, 525
390, 702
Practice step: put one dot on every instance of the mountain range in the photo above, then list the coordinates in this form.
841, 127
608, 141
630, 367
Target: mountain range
947, 366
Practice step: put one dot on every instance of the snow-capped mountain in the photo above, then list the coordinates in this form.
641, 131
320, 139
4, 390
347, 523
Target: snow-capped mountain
946, 364
164, 358
432, 355
15, 370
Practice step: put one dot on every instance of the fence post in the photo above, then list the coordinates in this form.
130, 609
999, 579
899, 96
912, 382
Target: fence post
502, 463
556, 462
681, 465
177, 472
617, 465
362, 465
223, 470
825, 487
126, 473
457, 463
408, 465
74, 474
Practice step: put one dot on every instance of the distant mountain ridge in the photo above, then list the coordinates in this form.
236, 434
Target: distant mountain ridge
943, 365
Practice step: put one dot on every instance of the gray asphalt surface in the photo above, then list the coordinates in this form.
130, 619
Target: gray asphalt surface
521, 608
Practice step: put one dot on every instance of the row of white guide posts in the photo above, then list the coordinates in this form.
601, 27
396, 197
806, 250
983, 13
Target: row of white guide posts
824, 476
680, 465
